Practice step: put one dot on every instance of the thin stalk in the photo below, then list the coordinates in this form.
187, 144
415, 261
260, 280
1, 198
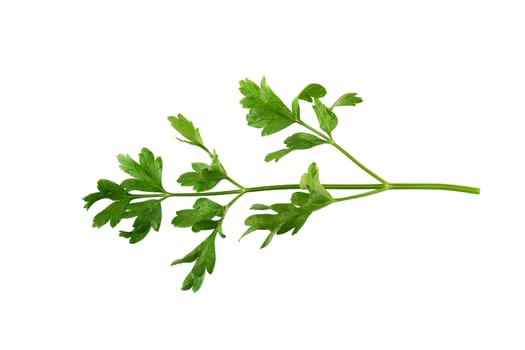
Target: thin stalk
356, 162
235, 183
330, 140
360, 195
226, 208
382, 187
212, 155
317, 132
434, 186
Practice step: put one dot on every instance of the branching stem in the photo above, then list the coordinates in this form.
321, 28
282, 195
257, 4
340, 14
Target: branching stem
360, 195
376, 188
356, 162
241, 187
330, 141
315, 131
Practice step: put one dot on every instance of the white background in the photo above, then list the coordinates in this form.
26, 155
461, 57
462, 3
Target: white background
443, 87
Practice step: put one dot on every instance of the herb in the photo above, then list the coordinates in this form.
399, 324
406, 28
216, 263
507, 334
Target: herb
140, 197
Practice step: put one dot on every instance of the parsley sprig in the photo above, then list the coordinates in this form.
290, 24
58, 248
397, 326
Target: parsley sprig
140, 197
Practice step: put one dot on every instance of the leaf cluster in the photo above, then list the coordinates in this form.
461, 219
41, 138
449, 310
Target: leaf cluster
146, 176
205, 215
201, 216
269, 113
145, 206
290, 216
204, 176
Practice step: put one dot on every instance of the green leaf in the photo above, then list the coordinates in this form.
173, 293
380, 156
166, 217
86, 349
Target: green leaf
106, 190
148, 215
204, 257
302, 140
297, 141
350, 99
147, 176
290, 216
327, 119
147, 173
263, 222
205, 225
277, 155
309, 92
112, 214
204, 177
300, 199
293, 217
268, 239
200, 217
111, 188
296, 109
266, 110
186, 128
310, 181
259, 207
312, 91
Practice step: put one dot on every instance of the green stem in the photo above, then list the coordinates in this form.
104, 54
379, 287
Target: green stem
356, 162
235, 183
382, 187
318, 133
226, 208
434, 186
360, 195
330, 140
